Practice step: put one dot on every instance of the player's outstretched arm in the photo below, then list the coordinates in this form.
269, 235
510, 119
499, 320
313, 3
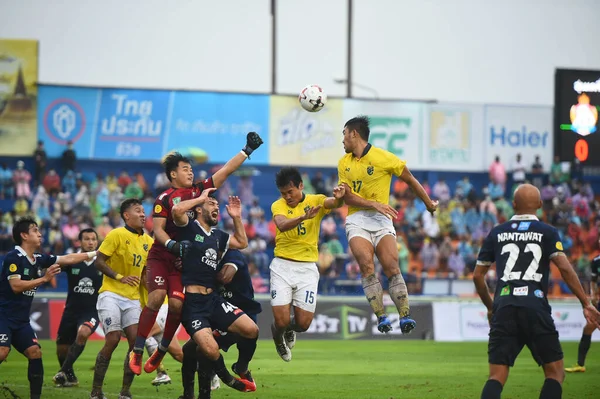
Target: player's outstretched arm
19, 286
354, 200
158, 228
570, 277
253, 141
238, 240
102, 266
482, 288
337, 201
179, 211
72, 259
418, 189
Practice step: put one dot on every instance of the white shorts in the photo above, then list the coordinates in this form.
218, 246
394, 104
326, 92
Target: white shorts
117, 312
294, 282
370, 225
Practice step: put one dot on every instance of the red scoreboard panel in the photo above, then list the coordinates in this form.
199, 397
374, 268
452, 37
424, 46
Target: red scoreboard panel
576, 109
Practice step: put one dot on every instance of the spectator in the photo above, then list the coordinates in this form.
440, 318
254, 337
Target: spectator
445, 251
21, 207
456, 264
70, 231
463, 187
103, 202
82, 198
259, 284
308, 187
124, 180
256, 212
6, 182
134, 190
104, 228
426, 187
430, 224
246, 189
51, 182
161, 183
318, 184
498, 173
6, 243
112, 182
21, 180
441, 191
576, 172
331, 183
429, 255
328, 226
537, 167
141, 180
41, 204
557, 175
69, 158
55, 239
353, 270
467, 253
261, 227
69, 183
518, 174
41, 161
459, 225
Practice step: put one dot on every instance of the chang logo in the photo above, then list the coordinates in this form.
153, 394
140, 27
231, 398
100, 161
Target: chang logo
210, 258
85, 286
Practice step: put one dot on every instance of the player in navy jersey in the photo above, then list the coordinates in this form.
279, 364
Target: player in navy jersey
235, 286
163, 280
519, 315
21, 274
204, 309
80, 317
588, 329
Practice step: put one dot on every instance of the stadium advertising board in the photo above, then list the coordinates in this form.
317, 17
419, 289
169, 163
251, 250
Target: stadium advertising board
298, 137
453, 139
512, 130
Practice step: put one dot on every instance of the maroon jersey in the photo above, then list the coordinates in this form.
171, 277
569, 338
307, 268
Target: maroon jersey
163, 205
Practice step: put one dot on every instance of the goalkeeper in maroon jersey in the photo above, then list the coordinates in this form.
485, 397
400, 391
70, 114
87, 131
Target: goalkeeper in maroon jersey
163, 278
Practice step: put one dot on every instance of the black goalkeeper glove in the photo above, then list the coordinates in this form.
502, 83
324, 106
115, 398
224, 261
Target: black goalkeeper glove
180, 249
253, 141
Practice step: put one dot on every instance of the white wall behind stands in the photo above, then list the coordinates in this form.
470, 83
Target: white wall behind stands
475, 51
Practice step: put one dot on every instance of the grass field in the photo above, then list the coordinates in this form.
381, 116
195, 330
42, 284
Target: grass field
329, 369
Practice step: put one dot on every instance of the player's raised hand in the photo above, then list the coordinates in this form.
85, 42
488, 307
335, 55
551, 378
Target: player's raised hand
386, 210
51, 272
433, 207
253, 141
133, 281
234, 207
207, 192
339, 191
592, 315
312, 212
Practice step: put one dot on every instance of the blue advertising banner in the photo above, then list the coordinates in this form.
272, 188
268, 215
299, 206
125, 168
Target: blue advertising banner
67, 114
218, 123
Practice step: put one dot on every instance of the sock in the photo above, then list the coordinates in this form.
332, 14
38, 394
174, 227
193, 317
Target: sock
100, 372
171, 326
189, 367
246, 348
151, 345
551, 389
278, 333
127, 376
374, 293
584, 347
399, 294
491, 390
147, 319
35, 374
293, 326
221, 370
61, 357
205, 374
73, 354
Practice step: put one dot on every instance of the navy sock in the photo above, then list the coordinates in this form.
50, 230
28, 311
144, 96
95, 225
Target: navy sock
246, 348
584, 347
221, 370
188, 368
35, 374
551, 389
491, 390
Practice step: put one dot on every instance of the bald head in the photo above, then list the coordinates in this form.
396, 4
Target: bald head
527, 199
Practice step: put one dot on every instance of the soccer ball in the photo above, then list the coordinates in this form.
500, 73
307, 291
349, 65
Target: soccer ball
312, 98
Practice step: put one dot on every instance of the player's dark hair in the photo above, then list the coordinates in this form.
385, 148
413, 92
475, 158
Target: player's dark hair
171, 162
88, 230
360, 123
128, 203
22, 226
287, 175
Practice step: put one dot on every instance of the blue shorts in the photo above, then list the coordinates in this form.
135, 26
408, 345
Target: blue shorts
225, 340
18, 334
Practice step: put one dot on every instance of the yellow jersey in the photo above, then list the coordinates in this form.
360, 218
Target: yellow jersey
127, 252
370, 176
301, 243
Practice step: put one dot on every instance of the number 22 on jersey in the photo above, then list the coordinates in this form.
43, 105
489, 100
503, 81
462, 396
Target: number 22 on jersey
513, 254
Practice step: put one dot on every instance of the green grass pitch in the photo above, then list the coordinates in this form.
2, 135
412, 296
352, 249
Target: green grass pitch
329, 369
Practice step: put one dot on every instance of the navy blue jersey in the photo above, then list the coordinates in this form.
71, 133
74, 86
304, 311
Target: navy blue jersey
200, 264
84, 282
16, 307
239, 291
596, 269
522, 249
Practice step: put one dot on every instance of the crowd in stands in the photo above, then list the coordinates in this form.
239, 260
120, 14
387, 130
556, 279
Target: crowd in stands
443, 245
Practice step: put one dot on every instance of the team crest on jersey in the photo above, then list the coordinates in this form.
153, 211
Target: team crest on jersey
347, 169
370, 170
538, 293
273, 294
176, 200
559, 246
199, 238
290, 212
505, 291
306, 208
108, 321
12, 268
145, 247
75, 271
157, 209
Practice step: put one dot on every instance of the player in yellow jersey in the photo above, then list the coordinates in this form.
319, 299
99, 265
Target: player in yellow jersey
156, 334
366, 172
121, 258
294, 272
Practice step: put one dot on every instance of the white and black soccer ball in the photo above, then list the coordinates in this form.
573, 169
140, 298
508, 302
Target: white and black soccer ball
312, 98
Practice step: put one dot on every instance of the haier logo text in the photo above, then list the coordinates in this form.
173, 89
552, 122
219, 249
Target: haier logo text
501, 136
